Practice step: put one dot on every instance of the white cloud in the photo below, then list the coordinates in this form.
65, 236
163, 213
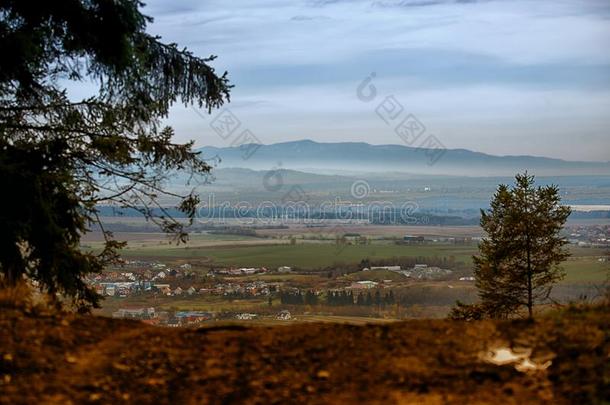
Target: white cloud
489, 108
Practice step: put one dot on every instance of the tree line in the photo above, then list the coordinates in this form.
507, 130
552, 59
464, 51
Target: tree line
339, 298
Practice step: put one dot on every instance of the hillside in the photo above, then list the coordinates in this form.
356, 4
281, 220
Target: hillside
85, 359
343, 157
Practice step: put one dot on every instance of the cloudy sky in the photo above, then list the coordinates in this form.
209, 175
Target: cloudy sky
502, 77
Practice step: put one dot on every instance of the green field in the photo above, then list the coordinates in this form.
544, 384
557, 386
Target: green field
585, 269
231, 250
301, 255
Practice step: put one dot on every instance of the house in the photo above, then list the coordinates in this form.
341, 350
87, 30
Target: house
242, 271
246, 316
247, 270
284, 269
178, 291
110, 290
191, 317
163, 288
284, 316
422, 271
363, 285
413, 239
191, 290
135, 313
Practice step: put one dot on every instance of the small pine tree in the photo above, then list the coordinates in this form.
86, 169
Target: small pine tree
519, 259
369, 300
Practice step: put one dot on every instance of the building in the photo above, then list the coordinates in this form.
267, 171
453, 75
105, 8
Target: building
423, 272
389, 268
163, 288
135, 313
363, 285
110, 290
246, 316
413, 239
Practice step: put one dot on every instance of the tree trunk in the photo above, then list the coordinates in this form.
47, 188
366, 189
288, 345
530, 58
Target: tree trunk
12, 275
530, 303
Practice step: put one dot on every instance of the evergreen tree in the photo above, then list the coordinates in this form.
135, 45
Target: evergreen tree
391, 298
329, 298
311, 298
518, 260
62, 157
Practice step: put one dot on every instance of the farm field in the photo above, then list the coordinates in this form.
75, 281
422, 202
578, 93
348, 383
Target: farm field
585, 269
243, 251
305, 255
583, 266
207, 304
381, 230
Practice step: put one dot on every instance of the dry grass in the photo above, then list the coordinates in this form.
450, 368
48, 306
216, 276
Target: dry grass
76, 359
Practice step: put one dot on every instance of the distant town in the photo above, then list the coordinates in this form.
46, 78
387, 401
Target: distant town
154, 280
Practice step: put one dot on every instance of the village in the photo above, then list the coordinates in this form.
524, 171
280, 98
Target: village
159, 282
179, 292
595, 236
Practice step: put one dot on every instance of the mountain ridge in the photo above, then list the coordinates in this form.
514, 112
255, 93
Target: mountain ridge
361, 156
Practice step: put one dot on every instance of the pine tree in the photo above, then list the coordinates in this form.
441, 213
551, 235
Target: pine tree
62, 157
377, 298
518, 260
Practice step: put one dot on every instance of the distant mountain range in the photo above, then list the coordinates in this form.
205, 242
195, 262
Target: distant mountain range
359, 157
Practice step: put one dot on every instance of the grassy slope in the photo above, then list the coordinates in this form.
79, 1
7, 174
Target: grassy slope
48, 359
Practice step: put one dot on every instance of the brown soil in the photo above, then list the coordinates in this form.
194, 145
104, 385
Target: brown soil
80, 359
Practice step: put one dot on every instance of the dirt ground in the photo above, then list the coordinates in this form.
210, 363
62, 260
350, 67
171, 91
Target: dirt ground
50, 358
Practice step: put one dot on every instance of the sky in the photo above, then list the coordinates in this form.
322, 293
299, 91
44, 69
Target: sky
500, 77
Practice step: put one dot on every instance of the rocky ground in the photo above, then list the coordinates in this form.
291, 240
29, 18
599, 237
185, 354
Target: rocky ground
54, 358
